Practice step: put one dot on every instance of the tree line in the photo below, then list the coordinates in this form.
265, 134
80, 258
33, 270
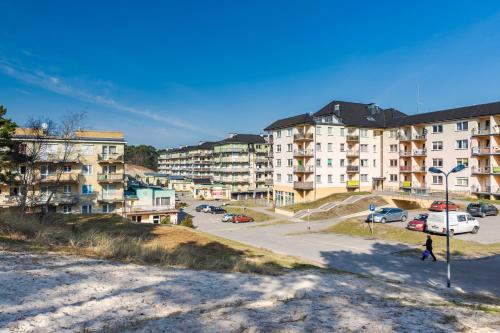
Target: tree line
143, 155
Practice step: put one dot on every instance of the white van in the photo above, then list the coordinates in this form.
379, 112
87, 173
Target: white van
460, 222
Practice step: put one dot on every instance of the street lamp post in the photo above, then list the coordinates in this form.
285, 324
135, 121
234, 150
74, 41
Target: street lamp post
458, 168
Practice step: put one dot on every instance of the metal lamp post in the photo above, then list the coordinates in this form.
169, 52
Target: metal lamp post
458, 168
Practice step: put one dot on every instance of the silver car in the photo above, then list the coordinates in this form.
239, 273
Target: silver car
388, 214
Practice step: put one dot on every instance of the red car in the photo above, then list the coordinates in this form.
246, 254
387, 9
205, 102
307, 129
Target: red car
419, 223
241, 219
440, 206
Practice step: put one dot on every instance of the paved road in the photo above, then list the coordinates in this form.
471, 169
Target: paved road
352, 254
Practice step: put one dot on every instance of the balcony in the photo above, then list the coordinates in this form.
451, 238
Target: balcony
486, 170
110, 196
9, 200
351, 137
269, 182
59, 178
405, 153
419, 152
59, 157
303, 137
233, 159
303, 153
352, 153
109, 177
404, 137
150, 208
231, 170
234, 180
352, 184
232, 150
419, 137
418, 169
110, 158
261, 160
352, 168
405, 184
485, 131
303, 185
484, 189
405, 168
303, 169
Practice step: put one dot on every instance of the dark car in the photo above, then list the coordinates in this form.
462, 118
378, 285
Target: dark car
200, 208
217, 210
419, 223
481, 209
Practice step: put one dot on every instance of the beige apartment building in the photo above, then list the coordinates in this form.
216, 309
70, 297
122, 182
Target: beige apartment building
187, 161
89, 180
349, 146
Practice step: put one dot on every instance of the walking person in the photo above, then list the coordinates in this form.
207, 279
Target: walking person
428, 248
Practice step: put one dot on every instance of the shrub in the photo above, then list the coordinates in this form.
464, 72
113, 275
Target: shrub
187, 222
165, 220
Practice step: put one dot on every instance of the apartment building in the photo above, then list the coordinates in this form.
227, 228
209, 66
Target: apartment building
88, 180
349, 146
187, 161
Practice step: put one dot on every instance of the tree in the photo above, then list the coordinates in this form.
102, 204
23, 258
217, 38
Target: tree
7, 146
143, 155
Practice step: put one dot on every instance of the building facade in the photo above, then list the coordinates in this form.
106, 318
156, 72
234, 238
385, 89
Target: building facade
150, 204
349, 146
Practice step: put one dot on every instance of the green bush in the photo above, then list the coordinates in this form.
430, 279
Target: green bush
187, 222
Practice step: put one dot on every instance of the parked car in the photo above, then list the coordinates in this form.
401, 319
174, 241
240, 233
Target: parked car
217, 210
419, 223
201, 208
228, 217
388, 214
208, 209
481, 209
459, 222
440, 206
241, 219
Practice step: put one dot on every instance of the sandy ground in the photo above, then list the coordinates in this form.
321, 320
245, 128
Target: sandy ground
54, 293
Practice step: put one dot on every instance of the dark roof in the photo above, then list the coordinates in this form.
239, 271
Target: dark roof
305, 118
479, 110
176, 177
156, 174
202, 181
205, 145
243, 138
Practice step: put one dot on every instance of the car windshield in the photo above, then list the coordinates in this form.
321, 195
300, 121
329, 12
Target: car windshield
383, 210
421, 217
474, 205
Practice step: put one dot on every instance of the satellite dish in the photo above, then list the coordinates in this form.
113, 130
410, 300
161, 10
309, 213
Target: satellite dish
45, 126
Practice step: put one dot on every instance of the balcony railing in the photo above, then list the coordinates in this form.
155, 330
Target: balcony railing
303, 169
405, 153
303, 137
486, 189
486, 170
485, 131
351, 137
303, 185
405, 168
110, 177
150, 208
352, 184
404, 137
419, 137
419, 169
111, 196
269, 182
232, 150
419, 152
110, 158
352, 153
303, 152
405, 184
63, 178
352, 168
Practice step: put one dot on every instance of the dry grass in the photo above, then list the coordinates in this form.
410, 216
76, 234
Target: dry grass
348, 209
273, 223
317, 203
460, 248
257, 216
247, 203
112, 237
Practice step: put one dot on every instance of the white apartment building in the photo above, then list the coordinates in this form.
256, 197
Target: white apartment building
349, 146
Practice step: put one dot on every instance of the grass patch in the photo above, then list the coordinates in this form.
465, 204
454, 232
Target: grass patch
112, 237
270, 224
460, 248
257, 216
317, 203
348, 209
247, 203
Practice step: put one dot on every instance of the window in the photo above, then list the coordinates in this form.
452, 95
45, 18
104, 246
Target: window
289, 147
22, 169
66, 209
289, 162
342, 147
318, 130
87, 189
86, 169
462, 144
278, 163
109, 169
330, 130
342, 132
437, 180
363, 178
393, 133
393, 178
87, 150
464, 161
363, 133
393, 163
364, 148
342, 178
364, 163
330, 162
437, 128
393, 148
289, 178
463, 182
67, 168
162, 201
86, 209
278, 177
463, 126
108, 208
437, 162
330, 179
437, 145
330, 147
278, 134
374, 163
289, 132
342, 162
108, 150
66, 189
318, 162
318, 179
278, 148
374, 148
318, 146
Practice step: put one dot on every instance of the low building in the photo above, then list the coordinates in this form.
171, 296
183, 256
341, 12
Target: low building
179, 183
150, 204
204, 189
156, 178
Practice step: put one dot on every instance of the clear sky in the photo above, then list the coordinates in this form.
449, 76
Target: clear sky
176, 72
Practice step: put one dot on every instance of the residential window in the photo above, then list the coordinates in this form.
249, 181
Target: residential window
438, 128
22, 169
363, 178
278, 148
86, 209
364, 148
318, 146
67, 168
318, 162
87, 150
289, 178
342, 162
437, 162
342, 178
437, 180
374, 163
66, 189
278, 177
463, 181
108, 150
393, 163
393, 148
289, 132
278, 134
318, 130
342, 147
330, 179
330, 130
464, 161
66, 209
462, 144
393, 133
374, 148
87, 189
363, 133
86, 169
289, 162
289, 147
342, 132
278, 163
318, 179
393, 177
437, 145
108, 208
330, 162
330, 147
463, 126
364, 163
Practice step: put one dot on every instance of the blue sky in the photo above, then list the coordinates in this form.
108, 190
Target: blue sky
170, 73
